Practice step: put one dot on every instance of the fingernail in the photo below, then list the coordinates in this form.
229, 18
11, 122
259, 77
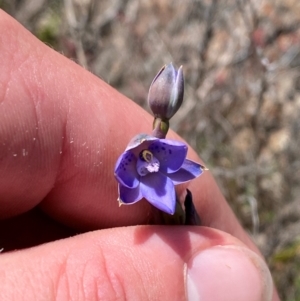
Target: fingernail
228, 273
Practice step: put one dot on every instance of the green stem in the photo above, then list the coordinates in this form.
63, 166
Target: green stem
160, 128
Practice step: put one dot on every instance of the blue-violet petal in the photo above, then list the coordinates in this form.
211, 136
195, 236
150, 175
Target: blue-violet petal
125, 170
139, 139
188, 171
159, 191
170, 154
129, 195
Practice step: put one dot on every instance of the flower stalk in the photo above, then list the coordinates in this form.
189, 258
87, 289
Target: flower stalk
160, 128
151, 165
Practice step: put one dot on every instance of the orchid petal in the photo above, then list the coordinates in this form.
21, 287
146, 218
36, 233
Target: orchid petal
125, 170
128, 195
138, 140
188, 171
170, 154
159, 191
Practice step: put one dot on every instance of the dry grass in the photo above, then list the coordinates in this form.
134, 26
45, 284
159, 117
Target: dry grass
242, 103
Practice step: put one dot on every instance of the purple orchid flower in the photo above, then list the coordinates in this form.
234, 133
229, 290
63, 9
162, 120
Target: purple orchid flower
150, 167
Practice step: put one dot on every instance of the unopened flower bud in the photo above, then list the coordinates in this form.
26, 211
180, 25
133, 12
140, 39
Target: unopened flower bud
166, 92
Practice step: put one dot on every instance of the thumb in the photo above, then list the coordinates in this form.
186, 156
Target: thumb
229, 272
137, 263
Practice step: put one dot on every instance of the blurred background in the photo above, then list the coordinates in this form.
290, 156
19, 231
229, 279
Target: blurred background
241, 112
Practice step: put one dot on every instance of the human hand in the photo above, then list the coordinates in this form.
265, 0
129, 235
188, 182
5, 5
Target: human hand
61, 131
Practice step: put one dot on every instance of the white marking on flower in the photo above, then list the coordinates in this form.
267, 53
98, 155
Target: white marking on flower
153, 166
